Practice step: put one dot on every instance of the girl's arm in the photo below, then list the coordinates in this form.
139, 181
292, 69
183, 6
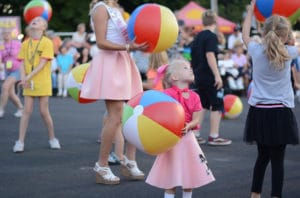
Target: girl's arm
100, 18
193, 123
247, 23
36, 70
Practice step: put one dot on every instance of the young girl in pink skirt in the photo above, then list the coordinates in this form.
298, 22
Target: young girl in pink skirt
185, 164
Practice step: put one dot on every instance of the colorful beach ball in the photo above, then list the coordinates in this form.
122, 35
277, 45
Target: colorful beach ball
233, 106
153, 122
287, 8
74, 83
37, 8
154, 24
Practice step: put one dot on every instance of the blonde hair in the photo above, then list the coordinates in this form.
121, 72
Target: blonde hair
276, 31
209, 17
158, 59
171, 69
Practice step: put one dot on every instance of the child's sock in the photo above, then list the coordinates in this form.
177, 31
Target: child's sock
167, 195
186, 194
214, 135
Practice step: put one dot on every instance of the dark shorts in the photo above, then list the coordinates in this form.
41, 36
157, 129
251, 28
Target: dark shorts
209, 99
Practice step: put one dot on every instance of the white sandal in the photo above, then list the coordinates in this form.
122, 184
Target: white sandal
130, 169
105, 176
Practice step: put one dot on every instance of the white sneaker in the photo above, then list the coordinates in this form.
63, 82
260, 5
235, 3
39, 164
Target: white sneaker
65, 93
232, 84
240, 83
59, 93
1, 113
18, 147
54, 143
18, 113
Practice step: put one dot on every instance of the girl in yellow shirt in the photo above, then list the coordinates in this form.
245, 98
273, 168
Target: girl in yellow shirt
36, 54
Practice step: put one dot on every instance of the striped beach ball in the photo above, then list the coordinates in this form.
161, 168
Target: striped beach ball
233, 106
154, 24
74, 83
153, 122
37, 8
287, 8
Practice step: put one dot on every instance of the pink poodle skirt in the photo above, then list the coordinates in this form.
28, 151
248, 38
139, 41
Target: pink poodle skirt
184, 165
111, 75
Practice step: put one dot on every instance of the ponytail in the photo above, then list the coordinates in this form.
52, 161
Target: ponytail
276, 30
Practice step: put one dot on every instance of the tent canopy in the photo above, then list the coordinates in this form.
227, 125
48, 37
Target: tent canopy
191, 14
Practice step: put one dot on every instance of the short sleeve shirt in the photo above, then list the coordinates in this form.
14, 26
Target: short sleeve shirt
270, 86
31, 53
206, 41
9, 53
190, 105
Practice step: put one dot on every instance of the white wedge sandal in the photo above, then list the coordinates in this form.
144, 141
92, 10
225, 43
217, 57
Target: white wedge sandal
105, 176
130, 169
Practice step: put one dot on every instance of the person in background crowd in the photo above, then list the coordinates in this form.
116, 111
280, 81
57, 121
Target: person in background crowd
9, 51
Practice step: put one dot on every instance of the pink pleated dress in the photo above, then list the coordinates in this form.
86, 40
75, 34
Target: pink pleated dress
112, 75
184, 165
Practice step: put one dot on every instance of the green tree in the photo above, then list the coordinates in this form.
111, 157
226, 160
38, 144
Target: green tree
67, 14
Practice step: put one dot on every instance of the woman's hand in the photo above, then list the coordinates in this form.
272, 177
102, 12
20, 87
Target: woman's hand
142, 47
135, 46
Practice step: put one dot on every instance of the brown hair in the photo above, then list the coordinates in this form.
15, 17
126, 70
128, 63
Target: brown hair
209, 18
276, 31
158, 59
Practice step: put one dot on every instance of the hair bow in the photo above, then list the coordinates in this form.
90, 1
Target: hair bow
160, 73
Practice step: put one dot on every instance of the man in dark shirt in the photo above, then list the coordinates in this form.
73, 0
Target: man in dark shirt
207, 77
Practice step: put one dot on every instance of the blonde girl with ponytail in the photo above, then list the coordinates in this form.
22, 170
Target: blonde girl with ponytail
270, 123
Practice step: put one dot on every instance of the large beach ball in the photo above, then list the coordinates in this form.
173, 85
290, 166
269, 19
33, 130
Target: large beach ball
233, 106
154, 24
74, 83
287, 8
37, 8
153, 122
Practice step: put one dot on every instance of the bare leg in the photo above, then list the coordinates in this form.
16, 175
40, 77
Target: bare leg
111, 127
119, 144
44, 111
130, 151
6, 87
118, 140
28, 107
215, 119
15, 99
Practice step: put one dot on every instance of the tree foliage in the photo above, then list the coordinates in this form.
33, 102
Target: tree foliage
67, 14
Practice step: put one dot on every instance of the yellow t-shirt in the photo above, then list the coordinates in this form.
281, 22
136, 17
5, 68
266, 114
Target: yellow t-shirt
31, 52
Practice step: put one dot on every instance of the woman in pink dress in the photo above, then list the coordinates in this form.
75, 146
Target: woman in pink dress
114, 78
185, 164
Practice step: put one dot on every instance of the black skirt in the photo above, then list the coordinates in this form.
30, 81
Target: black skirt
271, 126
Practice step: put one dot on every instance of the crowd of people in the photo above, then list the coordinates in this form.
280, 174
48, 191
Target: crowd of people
197, 71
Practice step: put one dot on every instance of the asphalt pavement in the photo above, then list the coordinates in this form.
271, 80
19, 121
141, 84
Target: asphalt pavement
43, 173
